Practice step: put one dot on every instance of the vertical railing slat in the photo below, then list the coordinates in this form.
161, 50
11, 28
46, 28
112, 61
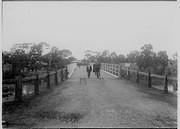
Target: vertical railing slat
149, 80
18, 89
36, 85
165, 84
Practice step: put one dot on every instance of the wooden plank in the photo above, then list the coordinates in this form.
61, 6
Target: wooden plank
8, 92
143, 73
172, 78
9, 81
157, 76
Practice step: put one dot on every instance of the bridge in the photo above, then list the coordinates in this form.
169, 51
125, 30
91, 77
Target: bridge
120, 98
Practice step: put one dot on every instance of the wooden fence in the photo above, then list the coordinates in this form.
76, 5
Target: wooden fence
17, 89
151, 80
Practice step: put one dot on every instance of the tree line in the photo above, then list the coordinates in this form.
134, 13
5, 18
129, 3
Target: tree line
22, 60
145, 60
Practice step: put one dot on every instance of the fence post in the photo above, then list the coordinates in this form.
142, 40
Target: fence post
137, 77
128, 74
109, 69
18, 89
118, 68
149, 79
120, 72
56, 78
116, 73
48, 80
175, 86
105, 67
165, 84
62, 75
36, 86
113, 69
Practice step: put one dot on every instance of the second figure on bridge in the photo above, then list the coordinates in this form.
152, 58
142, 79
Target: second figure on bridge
89, 69
96, 69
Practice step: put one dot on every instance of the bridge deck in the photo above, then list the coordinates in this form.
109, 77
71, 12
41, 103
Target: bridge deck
107, 102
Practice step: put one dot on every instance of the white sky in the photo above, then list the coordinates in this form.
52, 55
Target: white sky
78, 26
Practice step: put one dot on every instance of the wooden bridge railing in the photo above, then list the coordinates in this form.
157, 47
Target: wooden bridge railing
151, 80
16, 89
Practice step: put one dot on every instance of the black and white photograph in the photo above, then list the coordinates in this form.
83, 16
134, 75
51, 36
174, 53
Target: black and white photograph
89, 64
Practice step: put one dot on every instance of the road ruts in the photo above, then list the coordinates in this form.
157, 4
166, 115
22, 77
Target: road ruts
107, 102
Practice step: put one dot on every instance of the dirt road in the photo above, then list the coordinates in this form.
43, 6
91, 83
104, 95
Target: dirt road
108, 102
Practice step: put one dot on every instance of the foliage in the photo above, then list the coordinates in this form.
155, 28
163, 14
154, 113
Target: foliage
145, 60
172, 66
33, 59
18, 59
132, 56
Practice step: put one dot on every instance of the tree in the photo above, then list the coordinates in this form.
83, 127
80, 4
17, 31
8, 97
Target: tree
145, 59
58, 58
172, 65
65, 53
114, 57
71, 58
35, 56
104, 57
162, 61
105, 53
18, 59
132, 56
91, 56
121, 58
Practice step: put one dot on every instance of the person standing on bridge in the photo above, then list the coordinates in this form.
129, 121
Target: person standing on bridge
94, 68
98, 68
66, 72
89, 69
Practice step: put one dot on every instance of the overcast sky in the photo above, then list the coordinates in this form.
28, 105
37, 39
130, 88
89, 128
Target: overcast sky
78, 26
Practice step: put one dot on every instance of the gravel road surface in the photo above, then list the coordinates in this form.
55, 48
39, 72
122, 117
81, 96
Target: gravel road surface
106, 102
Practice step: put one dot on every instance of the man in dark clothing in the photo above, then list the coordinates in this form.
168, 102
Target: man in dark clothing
62, 74
98, 67
94, 69
66, 72
89, 69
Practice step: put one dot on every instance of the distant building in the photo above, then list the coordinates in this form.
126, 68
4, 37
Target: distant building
6, 67
130, 65
76, 61
25, 46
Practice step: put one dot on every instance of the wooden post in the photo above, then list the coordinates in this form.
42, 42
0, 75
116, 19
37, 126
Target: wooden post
165, 84
18, 89
113, 69
48, 81
128, 74
106, 67
137, 77
36, 85
62, 75
116, 73
120, 72
109, 68
175, 86
56, 78
149, 80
